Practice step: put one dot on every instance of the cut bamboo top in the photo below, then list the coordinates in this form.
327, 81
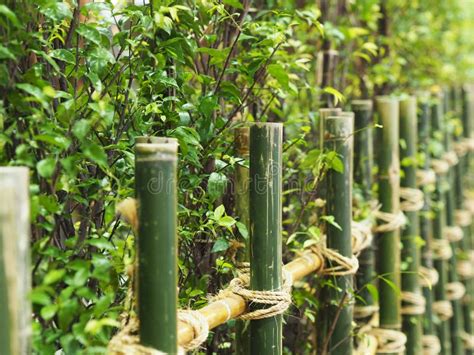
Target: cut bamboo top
156, 148
362, 105
339, 127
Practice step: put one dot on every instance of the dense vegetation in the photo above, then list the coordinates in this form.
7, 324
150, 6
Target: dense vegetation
79, 83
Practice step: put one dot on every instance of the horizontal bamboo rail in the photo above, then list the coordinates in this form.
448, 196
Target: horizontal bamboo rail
232, 306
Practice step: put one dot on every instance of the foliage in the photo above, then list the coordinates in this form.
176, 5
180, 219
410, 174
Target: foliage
77, 85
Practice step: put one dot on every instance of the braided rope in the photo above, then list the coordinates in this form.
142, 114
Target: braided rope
277, 300
412, 200
463, 146
463, 218
443, 309
428, 276
469, 203
362, 312
451, 158
425, 177
465, 269
414, 303
200, 327
393, 221
361, 236
431, 344
389, 340
453, 233
343, 265
455, 291
439, 166
468, 340
441, 249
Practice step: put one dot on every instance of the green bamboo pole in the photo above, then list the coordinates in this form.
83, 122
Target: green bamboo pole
412, 324
426, 225
456, 322
242, 340
323, 114
265, 229
439, 224
363, 166
155, 183
335, 312
388, 243
465, 244
15, 280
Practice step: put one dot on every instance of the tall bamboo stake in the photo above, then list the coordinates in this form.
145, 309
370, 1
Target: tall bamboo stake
15, 280
388, 243
335, 312
265, 229
439, 224
363, 166
242, 209
155, 175
412, 324
323, 114
456, 322
426, 225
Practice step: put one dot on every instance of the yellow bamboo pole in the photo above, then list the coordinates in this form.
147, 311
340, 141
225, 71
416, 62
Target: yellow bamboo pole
232, 306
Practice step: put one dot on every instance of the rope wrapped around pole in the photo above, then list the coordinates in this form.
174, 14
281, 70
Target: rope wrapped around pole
361, 235
455, 291
441, 249
443, 309
412, 200
428, 276
413, 303
439, 166
425, 177
463, 218
389, 340
431, 344
393, 221
453, 233
339, 265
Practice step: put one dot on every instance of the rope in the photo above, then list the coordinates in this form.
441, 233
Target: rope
469, 203
464, 269
127, 341
393, 221
278, 301
361, 312
414, 303
343, 265
431, 344
451, 158
425, 177
441, 249
443, 309
454, 234
439, 166
428, 276
455, 291
463, 218
361, 236
412, 199
389, 340
468, 340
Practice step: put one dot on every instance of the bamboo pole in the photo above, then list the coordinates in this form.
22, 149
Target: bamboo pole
426, 225
15, 279
412, 323
336, 312
439, 224
388, 243
265, 229
242, 340
155, 167
323, 114
456, 322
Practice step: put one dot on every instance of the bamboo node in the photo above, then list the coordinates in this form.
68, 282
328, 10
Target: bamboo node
412, 199
414, 303
455, 291
278, 300
439, 166
454, 234
443, 309
428, 276
340, 265
431, 344
361, 236
463, 218
441, 249
389, 340
393, 221
425, 177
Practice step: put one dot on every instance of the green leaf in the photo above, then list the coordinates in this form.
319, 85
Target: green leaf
46, 167
219, 212
373, 292
242, 230
337, 95
220, 245
280, 74
54, 276
332, 221
226, 221
48, 312
9, 14
63, 55
38, 296
96, 153
55, 10
216, 185
5, 53
234, 3
89, 33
